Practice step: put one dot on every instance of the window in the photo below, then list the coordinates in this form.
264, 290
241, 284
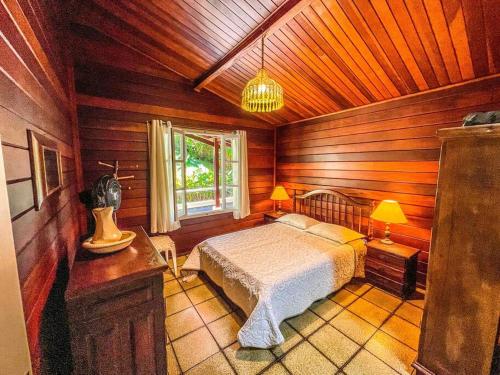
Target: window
206, 172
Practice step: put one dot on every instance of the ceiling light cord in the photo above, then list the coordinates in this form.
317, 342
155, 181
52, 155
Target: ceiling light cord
262, 55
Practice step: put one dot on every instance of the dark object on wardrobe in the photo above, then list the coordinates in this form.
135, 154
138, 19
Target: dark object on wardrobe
481, 118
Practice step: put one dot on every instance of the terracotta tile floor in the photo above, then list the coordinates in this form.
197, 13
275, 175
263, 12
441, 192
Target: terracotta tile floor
358, 330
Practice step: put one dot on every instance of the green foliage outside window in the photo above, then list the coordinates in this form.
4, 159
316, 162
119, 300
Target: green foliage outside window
199, 155
200, 169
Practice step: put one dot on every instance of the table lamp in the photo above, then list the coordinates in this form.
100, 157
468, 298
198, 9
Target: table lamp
279, 194
389, 212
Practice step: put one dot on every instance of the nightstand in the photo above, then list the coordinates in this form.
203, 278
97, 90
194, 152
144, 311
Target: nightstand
270, 217
392, 267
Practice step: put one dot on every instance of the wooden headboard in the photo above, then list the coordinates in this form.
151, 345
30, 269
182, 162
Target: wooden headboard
336, 208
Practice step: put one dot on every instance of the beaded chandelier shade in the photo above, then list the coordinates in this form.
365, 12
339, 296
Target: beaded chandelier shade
262, 94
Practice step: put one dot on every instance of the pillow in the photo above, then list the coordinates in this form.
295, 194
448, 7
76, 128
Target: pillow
335, 232
298, 221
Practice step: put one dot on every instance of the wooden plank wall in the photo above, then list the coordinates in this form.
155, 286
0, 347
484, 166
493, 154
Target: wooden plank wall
109, 134
383, 151
36, 92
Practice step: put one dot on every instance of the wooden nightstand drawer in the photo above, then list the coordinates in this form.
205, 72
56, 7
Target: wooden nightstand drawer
386, 258
384, 283
385, 270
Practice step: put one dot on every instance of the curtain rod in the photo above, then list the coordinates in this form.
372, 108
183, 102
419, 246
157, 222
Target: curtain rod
204, 130
201, 128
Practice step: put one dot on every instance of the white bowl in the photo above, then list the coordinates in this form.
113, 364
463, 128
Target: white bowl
109, 247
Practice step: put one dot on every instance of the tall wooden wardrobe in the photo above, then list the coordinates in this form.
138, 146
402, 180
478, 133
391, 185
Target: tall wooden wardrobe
460, 324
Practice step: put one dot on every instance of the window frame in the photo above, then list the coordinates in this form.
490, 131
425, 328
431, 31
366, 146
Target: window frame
223, 137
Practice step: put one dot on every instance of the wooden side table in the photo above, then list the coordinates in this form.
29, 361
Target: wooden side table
392, 267
270, 217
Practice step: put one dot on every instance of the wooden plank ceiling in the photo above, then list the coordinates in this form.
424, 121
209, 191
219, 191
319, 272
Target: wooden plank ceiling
328, 55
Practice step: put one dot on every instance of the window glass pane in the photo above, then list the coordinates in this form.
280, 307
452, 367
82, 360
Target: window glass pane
231, 193
200, 200
179, 201
231, 149
200, 173
178, 146
231, 173
179, 175
220, 161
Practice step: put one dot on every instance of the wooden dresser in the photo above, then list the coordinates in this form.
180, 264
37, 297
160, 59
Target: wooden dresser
461, 314
116, 311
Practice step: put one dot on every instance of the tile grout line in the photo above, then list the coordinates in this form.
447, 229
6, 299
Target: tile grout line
221, 349
216, 343
363, 346
344, 308
205, 325
176, 358
304, 338
391, 314
170, 341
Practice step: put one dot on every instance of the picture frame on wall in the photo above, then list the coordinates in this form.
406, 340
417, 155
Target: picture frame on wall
46, 168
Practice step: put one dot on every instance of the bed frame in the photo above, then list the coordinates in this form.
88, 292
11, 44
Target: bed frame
336, 208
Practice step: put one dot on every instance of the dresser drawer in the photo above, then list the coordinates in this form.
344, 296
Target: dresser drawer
382, 269
115, 299
386, 258
122, 300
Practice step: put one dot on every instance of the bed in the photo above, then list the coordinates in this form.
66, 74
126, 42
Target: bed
276, 271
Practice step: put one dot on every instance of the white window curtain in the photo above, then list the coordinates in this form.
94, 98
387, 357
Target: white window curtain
242, 201
161, 177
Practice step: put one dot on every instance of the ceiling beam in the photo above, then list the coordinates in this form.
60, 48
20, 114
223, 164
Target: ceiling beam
274, 21
156, 110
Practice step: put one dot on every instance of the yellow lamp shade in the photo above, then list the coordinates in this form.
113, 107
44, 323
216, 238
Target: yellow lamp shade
389, 211
279, 194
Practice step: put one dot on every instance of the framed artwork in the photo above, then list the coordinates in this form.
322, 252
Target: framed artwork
45, 167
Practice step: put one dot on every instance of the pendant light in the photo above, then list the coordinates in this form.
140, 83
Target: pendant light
262, 94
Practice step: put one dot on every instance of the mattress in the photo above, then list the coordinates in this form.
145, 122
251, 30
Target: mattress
274, 272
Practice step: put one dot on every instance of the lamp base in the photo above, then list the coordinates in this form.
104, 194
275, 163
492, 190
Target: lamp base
387, 233
386, 241
278, 211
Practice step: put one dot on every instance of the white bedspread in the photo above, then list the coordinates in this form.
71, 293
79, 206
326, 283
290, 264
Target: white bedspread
274, 272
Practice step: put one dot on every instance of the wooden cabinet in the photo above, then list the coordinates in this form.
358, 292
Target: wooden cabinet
461, 315
116, 311
392, 267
